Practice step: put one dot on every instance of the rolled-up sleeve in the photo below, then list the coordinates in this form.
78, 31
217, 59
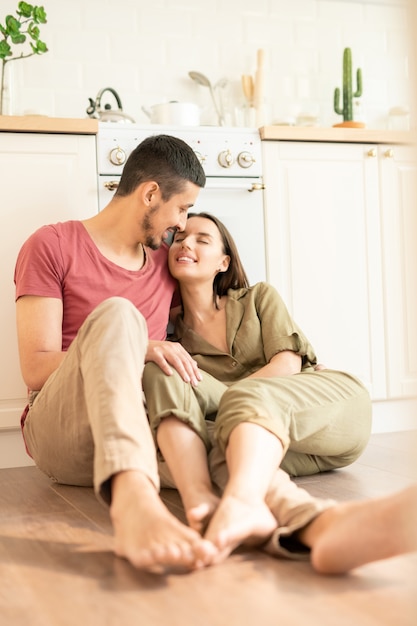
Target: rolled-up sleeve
279, 331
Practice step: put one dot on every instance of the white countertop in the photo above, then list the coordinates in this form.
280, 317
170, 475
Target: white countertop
347, 135
44, 124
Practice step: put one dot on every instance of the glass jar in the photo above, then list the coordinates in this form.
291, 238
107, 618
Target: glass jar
399, 118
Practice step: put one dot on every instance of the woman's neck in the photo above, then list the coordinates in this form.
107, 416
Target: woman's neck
203, 316
199, 305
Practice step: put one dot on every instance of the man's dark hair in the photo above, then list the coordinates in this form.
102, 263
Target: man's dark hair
167, 160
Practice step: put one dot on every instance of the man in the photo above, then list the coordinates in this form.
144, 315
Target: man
93, 300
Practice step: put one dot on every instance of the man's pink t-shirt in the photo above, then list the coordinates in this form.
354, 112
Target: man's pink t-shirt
61, 261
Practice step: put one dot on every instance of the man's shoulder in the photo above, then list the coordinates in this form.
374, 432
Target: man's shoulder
54, 231
69, 227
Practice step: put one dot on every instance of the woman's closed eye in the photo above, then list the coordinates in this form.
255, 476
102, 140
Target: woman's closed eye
180, 239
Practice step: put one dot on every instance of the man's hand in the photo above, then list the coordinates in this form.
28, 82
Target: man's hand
169, 353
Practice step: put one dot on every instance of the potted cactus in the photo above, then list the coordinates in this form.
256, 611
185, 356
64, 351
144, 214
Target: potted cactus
15, 31
348, 95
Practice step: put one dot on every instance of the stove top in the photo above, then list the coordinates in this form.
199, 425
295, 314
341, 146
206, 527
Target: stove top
223, 151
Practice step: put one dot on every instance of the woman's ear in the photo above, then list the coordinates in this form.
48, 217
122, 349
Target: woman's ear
225, 264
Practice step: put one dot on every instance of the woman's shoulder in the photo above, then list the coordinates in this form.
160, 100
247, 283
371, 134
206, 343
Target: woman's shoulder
255, 290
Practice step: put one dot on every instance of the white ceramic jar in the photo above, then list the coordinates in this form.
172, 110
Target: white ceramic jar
174, 114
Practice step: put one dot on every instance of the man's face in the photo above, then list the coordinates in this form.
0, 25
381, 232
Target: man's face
163, 216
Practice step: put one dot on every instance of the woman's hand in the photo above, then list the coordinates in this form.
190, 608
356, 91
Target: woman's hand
168, 355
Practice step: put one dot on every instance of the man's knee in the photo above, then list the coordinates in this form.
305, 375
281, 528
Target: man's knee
116, 313
118, 307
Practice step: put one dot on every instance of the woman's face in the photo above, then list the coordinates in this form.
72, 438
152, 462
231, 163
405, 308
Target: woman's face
197, 251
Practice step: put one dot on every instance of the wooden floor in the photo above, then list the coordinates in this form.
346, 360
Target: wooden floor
57, 567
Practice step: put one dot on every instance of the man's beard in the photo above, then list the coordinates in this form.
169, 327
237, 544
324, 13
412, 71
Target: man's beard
147, 227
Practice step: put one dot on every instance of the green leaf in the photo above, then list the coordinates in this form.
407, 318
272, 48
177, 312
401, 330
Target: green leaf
33, 31
18, 38
24, 9
39, 47
12, 25
39, 15
5, 50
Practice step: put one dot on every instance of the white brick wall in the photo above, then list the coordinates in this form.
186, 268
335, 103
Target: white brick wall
145, 48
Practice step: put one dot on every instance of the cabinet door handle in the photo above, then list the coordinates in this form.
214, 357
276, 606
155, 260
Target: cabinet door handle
257, 187
389, 154
372, 152
111, 185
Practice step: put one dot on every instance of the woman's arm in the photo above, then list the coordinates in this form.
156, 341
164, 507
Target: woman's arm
285, 363
280, 333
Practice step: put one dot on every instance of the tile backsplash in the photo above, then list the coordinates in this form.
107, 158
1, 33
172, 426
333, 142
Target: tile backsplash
144, 50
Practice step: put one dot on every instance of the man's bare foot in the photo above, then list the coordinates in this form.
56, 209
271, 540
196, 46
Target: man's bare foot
237, 521
200, 509
147, 534
351, 534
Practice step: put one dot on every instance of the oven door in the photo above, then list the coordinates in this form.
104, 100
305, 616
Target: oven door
238, 203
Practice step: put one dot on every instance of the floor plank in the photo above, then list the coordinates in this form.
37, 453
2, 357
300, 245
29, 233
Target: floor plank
57, 567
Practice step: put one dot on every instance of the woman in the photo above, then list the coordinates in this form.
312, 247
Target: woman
271, 408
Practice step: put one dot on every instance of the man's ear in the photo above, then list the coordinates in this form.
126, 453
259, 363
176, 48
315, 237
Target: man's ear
148, 191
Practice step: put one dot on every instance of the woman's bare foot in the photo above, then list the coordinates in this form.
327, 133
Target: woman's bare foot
354, 533
199, 509
237, 521
147, 534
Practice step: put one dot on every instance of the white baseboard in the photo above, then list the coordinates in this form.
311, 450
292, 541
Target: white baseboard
388, 416
394, 415
12, 449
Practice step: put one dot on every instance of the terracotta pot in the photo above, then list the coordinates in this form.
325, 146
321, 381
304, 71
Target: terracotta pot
350, 125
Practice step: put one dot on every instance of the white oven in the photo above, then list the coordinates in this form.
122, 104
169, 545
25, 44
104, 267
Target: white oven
231, 158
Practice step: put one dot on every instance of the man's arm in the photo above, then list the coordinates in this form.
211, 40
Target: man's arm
39, 333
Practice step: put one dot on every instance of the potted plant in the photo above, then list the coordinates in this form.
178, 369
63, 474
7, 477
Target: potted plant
348, 95
15, 31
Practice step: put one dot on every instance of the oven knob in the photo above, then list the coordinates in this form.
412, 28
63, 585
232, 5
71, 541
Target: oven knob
245, 159
117, 156
200, 157
225, 158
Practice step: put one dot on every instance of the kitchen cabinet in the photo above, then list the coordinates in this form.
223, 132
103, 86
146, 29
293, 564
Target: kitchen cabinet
340, 235
46, 178
398, 205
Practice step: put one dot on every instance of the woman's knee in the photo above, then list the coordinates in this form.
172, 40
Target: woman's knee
154, 380
241, 402
240, 391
